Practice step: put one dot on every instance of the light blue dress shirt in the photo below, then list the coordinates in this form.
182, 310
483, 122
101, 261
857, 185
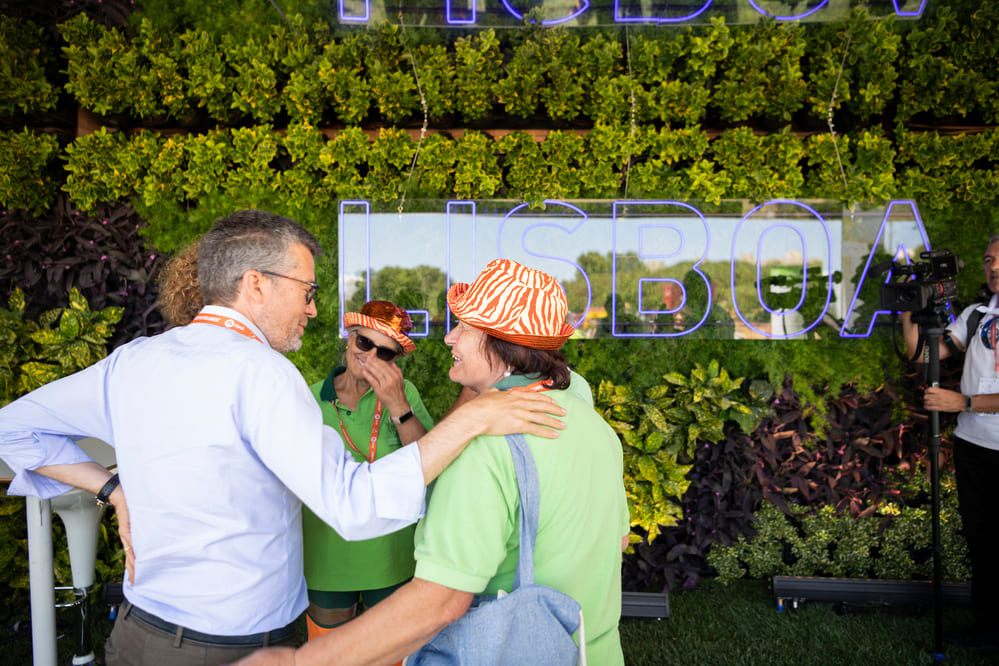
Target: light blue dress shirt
218, 442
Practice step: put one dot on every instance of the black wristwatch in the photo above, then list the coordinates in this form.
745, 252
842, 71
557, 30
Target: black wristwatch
402, 419
105, 492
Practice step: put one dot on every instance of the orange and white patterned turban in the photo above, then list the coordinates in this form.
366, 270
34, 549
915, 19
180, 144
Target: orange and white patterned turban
385, 317
515, 303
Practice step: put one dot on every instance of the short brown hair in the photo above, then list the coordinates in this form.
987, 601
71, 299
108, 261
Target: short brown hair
548, 363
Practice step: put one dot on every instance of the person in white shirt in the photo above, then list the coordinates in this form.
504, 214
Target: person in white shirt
218, 443
976, 444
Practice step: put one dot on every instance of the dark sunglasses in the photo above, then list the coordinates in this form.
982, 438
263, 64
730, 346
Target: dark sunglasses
313, 286
365, 345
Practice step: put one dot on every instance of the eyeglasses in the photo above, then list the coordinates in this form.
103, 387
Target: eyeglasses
313, 286
386, 354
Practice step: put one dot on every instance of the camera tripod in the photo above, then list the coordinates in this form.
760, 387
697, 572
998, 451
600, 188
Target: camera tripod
932, 326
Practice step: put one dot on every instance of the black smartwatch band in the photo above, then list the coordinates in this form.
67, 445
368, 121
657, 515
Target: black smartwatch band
405, 417
105, 492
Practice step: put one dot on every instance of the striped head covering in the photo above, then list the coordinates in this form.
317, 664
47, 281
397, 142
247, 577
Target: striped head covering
385, 317
515, 303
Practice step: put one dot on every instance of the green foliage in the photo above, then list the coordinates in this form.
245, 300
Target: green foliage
428, 369
760, 168
478, 64
762, 77
102, 167
101, 66
257, 80
568, 79
945, 73
607, 98
938, 169
653, 478
341, 70
891, 543
249, 173
389, 160
539, 171
301, 184
210, 81
436, 79
434, 169
242, 19
392, 82
868, 53
58, 344
342, 159
24, 55
25, 170
674, 73
650, 83
661, 430
476, 171
520, 91
603, 159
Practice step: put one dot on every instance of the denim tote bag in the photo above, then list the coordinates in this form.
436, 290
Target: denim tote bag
533, 624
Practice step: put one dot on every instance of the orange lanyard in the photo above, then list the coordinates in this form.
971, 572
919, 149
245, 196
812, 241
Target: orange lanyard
375, 426
226, 322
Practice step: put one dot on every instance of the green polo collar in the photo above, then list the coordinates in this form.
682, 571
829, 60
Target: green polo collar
328, 390
515, 381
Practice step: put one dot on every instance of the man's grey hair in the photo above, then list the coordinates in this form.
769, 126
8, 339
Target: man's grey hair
993, 238
247, 240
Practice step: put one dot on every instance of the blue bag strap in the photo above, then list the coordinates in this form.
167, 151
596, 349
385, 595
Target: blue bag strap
527, 483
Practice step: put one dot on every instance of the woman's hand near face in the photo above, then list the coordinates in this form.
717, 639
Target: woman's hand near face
388, 384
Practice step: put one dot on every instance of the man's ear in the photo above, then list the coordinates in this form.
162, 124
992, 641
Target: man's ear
251, 287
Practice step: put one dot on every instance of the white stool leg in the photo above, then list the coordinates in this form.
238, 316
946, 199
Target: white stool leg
81, 514
41, 578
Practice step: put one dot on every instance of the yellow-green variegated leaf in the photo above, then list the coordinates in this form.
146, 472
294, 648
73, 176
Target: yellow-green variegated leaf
76, 356
77, 302
111, 314
675, 378
47, 336
648, 469
35, 374
70, 325
48, 318
15, 302
656, 417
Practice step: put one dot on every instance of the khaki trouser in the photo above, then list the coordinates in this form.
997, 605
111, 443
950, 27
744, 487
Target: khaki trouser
134, 643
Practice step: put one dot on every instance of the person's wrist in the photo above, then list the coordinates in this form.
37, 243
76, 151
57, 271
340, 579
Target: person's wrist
117, 496
405, 416
103, 495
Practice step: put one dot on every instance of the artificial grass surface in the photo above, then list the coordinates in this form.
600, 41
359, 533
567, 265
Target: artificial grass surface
715, 625
739, 624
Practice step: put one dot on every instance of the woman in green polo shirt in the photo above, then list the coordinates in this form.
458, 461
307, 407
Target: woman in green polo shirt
511, 326
375, 411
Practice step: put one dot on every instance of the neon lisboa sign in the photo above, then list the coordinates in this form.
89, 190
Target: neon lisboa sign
469, 13
624, 254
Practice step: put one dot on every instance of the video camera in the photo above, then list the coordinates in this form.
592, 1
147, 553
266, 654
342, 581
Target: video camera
931, 286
